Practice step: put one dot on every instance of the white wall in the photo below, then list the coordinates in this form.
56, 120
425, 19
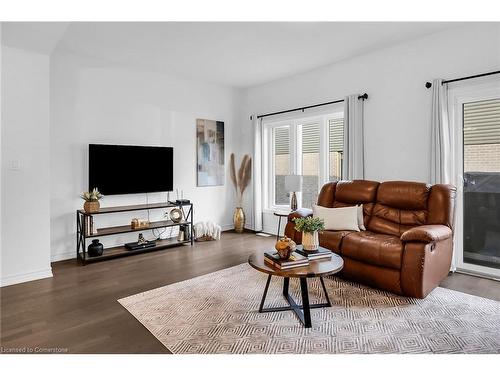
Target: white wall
97, 102
25, 220
397, 114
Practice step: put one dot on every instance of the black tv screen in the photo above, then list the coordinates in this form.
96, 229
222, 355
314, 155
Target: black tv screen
117, 169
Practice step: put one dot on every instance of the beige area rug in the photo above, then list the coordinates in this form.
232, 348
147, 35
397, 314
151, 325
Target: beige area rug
217, 313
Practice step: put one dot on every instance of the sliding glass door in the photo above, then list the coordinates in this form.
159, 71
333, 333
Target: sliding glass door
476, 124
481, 171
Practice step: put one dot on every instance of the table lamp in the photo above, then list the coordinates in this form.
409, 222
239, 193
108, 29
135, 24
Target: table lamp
293, 184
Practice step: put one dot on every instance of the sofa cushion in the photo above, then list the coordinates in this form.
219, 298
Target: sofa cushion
327, 194
356, 191
394, 221
373, 248
404, 195
332, 239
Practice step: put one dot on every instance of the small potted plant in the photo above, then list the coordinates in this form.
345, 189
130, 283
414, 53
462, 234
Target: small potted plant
309, 226
91, 200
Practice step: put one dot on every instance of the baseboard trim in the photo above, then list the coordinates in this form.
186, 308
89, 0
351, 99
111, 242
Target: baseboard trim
63, 256
25, 277
226, 227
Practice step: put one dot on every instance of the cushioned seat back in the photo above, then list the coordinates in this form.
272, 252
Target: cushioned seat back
442, 205
399, 206
349, 193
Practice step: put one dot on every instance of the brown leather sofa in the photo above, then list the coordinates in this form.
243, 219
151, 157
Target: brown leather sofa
408, 244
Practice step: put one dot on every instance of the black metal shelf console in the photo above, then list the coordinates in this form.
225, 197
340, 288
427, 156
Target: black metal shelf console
83, 230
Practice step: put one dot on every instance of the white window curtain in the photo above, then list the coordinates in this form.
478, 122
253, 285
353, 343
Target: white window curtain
441, 171
257, 174
440, 168
353, 164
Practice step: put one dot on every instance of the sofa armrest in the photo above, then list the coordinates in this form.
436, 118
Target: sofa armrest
427, 233
301, 212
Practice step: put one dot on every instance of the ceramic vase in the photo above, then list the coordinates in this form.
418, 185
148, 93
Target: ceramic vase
91, 206
310, 241
239, 219
95, 249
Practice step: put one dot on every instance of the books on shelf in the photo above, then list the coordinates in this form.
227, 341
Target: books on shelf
321, 253
295, 260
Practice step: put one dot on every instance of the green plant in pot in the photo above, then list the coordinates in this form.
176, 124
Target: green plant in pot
309, 226
91, 199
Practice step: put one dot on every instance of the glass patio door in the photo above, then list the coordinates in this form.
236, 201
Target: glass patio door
481, 183
475, 123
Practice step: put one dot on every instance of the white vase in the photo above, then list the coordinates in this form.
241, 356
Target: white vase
310, 240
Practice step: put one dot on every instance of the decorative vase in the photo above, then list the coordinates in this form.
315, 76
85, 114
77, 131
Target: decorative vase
285, 247
95, 249
239, 219
91, 206
310, 240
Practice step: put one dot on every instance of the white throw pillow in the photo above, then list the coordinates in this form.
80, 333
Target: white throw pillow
361, 223
342, 218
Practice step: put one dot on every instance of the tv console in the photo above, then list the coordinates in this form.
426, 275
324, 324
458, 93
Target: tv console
83, 233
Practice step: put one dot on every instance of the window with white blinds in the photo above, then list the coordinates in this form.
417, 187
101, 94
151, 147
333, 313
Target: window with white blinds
311, 155
311, 147
335, 148
281, 163
482, 122
481, 127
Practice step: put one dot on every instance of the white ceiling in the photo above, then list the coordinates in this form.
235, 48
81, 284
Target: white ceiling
237, 54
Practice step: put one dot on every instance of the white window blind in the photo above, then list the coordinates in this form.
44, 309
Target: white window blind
482, 122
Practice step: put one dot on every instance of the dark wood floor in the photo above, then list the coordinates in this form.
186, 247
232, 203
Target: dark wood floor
77, 309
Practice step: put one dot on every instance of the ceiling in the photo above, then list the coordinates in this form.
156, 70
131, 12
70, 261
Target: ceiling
236, 54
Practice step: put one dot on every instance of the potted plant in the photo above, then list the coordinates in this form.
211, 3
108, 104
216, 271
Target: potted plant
309, 226
240, 183
91, 200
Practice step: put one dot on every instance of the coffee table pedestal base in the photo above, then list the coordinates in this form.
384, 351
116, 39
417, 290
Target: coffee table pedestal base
303, 311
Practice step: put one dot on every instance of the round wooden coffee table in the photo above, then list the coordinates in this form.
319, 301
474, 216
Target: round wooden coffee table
316, 268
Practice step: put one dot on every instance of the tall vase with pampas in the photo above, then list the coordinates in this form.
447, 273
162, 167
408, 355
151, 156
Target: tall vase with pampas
240, 183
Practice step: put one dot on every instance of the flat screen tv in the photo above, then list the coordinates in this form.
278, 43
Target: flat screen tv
117, 169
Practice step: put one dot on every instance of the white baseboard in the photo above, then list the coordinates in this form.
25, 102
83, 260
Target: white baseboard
22, 278
63, 256
225, 227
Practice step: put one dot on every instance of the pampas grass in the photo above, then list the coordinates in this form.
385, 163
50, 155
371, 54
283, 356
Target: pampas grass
242, 180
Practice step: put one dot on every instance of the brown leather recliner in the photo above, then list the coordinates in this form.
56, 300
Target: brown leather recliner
408, 244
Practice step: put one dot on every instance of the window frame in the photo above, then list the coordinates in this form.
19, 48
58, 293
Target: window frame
295, 152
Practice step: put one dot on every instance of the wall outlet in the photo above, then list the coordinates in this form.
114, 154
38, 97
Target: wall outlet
15, 165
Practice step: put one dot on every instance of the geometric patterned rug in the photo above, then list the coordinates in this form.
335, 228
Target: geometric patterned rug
218, 313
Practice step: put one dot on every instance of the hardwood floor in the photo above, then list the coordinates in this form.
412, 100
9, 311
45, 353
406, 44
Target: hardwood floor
77, 310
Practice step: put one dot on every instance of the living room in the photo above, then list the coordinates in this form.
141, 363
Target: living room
260, 187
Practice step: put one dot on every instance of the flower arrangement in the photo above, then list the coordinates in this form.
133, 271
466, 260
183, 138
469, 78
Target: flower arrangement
309, 224
92, 196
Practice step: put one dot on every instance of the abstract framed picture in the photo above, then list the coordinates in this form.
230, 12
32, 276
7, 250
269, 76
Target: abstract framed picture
210, 152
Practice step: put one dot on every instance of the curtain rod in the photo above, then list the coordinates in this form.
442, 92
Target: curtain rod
429, 84
364, 96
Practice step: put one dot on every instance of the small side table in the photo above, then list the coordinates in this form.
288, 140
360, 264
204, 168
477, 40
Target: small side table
280, 214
